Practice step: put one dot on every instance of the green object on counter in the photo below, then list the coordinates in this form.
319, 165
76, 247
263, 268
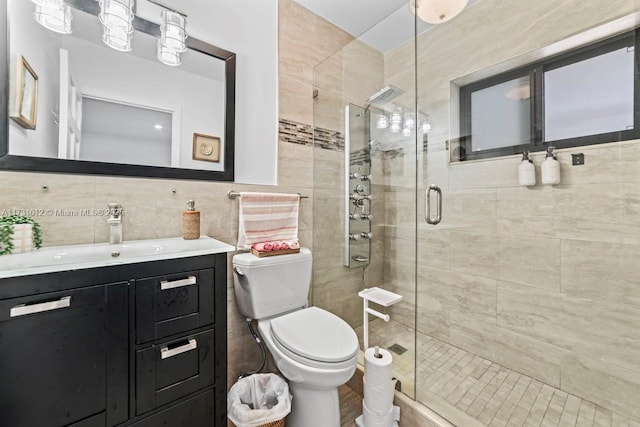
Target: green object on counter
6, 232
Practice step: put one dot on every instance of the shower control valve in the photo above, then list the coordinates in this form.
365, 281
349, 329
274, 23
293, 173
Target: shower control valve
355, 237
366, 236
360, 216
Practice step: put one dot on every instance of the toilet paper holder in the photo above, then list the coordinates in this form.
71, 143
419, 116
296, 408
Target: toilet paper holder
378, 296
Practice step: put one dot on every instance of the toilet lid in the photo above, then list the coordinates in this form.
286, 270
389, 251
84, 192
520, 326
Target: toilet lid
316, 334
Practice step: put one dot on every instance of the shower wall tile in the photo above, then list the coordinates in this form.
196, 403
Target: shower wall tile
590, 269
606, 328
469, 210
296, 99
530, 261
434, 247
328, 111
604, 383
528, 355
475, 253
305, 40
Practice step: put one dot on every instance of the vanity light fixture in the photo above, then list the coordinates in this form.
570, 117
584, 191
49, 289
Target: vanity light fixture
437, 11
54, 15
116, 17
173, 37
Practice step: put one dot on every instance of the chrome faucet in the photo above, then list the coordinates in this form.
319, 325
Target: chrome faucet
115, 223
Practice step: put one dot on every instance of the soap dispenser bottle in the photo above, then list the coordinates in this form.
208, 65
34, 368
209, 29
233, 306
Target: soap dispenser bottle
551, 168
526, 171
191, 222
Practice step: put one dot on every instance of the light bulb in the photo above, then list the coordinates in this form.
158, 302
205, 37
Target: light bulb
406, 132
382, 122
394, 128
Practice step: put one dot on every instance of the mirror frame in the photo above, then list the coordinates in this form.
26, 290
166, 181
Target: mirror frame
44, 164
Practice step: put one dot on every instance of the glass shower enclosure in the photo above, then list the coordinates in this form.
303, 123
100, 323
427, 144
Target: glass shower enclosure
521, 304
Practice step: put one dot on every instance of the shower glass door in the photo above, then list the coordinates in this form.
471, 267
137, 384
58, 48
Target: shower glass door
365, 191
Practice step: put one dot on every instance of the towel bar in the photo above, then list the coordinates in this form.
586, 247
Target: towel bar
234, 195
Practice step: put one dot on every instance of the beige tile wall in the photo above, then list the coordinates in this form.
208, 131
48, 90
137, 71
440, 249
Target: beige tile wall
350, 75
543, 280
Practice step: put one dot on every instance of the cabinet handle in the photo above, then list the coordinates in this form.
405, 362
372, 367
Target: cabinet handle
165, 353
166, 284
24, 309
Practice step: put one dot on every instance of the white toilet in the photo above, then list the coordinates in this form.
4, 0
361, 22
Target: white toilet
315, 350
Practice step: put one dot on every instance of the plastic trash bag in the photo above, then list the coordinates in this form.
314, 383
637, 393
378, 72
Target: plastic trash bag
258, 399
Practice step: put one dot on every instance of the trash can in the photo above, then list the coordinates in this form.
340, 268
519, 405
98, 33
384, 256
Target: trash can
259, 400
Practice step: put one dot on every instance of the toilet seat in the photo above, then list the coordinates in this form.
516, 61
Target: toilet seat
315, 337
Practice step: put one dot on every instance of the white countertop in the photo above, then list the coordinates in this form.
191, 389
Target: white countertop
77, 257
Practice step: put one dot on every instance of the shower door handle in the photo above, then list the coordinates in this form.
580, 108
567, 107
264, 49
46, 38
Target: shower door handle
427, 213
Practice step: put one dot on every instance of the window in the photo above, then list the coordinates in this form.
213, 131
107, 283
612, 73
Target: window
586, 96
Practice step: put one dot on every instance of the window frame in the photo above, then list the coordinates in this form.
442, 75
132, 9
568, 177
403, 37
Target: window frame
536, 72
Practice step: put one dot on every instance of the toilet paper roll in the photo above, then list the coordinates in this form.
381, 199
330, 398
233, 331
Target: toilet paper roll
378, 385
371, 419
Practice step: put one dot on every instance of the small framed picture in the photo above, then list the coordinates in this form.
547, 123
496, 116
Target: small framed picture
206, 147
26, 107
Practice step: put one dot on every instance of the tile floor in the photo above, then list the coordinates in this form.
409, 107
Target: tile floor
469, 387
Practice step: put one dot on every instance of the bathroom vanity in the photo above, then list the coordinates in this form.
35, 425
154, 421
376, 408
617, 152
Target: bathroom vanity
136, 341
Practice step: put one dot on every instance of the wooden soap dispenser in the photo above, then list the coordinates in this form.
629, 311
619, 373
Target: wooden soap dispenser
191, 222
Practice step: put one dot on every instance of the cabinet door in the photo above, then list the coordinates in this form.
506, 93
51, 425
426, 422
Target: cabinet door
195, 412
173, 370
54, 358
173, 304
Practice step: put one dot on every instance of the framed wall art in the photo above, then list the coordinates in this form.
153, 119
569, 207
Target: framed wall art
206, 148
26, 100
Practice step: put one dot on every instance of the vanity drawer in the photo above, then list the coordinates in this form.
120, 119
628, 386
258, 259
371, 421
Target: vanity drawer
195, 412
172, 304
174, 369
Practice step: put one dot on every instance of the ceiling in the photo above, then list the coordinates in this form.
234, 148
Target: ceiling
382, 24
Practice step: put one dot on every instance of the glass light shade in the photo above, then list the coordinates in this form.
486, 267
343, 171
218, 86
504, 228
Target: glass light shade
168, 56
406, 132
396, 117
437, 11
117, 39
382, 122
409, 120
53, 15
172, 31
394, 128
117, 15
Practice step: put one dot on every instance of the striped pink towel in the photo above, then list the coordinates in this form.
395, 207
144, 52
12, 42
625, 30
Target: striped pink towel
265, 217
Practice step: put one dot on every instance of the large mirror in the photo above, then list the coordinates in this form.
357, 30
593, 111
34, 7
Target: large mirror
74, 104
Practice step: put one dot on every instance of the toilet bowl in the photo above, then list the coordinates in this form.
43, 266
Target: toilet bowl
314, 365
316, 351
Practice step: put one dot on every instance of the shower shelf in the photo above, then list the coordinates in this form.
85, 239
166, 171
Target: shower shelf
380, 296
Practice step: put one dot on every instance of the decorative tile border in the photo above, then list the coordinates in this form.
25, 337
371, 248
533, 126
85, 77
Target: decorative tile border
304, 134
294, 132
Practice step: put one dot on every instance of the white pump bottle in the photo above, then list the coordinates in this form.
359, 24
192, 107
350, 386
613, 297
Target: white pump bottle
551, 168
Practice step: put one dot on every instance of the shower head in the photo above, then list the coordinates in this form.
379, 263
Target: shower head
384, 96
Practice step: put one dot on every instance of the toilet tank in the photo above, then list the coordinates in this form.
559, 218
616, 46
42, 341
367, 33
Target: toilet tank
269, 286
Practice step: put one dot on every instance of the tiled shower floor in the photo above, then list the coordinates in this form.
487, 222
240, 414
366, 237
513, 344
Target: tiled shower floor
468, 388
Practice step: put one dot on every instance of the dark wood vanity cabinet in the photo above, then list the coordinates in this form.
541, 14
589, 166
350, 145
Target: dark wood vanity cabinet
135, 344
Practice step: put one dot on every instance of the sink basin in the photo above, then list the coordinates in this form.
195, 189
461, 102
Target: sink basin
75, 257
